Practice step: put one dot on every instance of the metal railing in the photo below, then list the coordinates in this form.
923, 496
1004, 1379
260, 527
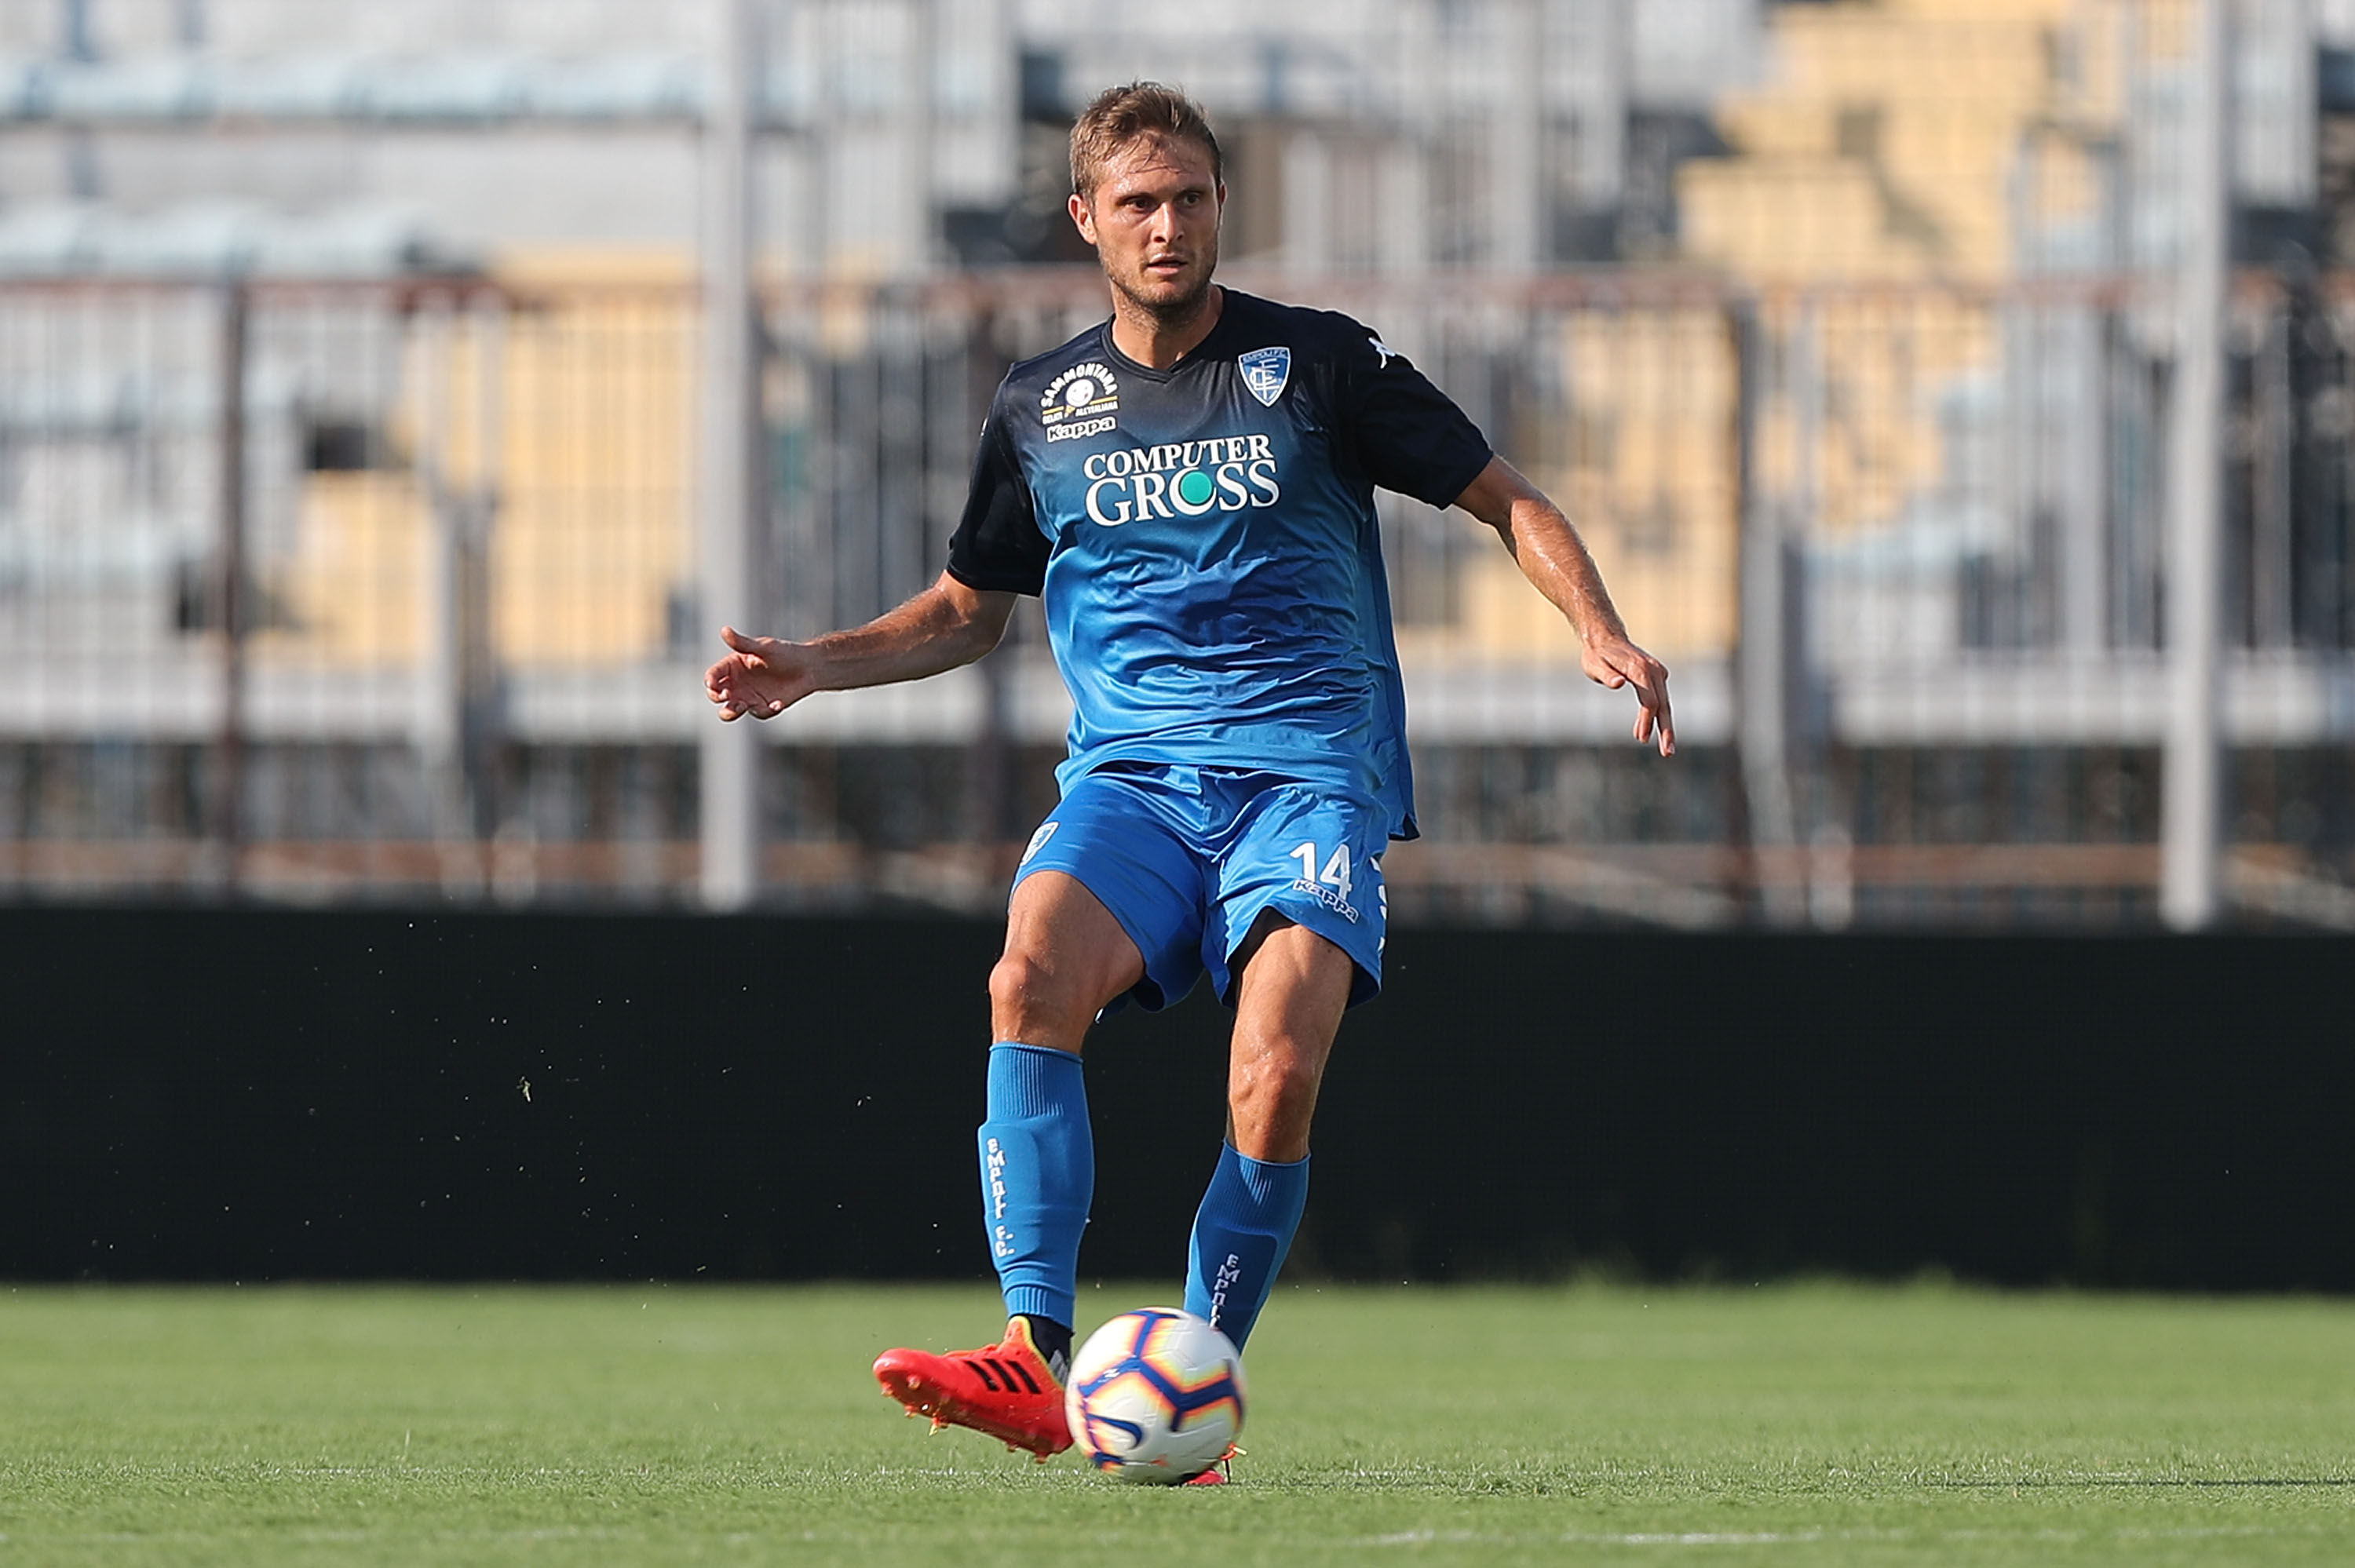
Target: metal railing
345, 590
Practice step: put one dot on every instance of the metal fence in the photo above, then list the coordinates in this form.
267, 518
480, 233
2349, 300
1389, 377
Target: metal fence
389, 591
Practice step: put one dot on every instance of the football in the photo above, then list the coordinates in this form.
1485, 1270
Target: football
1155, 1395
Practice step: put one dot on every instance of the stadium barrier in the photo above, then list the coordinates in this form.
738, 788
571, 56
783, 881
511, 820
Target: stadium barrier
250, 1095
391, 591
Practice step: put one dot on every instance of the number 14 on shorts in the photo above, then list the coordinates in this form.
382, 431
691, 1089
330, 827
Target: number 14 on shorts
1332, 884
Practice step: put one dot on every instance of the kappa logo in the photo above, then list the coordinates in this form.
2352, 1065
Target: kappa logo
1385, 350
1265, 370
1087, 393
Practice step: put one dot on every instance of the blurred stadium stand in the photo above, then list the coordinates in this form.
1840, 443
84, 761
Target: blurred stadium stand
353, 436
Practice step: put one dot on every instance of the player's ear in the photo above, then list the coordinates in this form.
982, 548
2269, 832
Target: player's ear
1084, 217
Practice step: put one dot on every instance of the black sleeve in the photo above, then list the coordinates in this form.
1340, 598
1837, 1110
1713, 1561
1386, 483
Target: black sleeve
1409, 435
997, 546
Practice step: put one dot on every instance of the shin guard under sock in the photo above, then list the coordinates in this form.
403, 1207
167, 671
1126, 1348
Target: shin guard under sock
1241, 1234
1037, 1174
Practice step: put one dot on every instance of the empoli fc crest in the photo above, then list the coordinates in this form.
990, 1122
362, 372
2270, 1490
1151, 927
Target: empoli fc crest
1265, 370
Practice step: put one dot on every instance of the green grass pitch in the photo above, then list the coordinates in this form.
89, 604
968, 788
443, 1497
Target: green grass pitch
1808, 1424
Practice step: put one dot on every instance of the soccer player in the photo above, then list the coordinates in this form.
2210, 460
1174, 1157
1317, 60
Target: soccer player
1190, 487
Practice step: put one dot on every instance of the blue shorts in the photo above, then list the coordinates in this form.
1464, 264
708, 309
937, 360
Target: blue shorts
1187, 859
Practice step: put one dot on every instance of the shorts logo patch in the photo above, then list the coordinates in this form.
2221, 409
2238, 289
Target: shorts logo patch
1329, 897
1039, 841
1265, 370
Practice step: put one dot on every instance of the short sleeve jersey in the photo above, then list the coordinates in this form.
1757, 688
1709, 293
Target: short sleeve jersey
1204, 541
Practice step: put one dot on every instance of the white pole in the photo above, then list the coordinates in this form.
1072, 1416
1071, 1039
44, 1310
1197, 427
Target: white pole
1517, 212
1768, 658
442, 669
916, 131
729, 754
1603, 107
2190, 804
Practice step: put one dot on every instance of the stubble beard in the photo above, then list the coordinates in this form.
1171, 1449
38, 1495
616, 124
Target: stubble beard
1166, 315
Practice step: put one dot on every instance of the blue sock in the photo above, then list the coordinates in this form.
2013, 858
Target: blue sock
1037, 1174
1241, 1234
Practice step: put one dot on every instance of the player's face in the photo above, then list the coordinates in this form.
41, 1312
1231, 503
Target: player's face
1153, 220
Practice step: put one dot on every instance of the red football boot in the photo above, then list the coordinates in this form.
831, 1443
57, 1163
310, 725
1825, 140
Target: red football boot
1006, 1391
1221, 1470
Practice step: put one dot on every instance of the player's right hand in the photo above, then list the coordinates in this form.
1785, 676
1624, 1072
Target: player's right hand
760, 675
1613, 661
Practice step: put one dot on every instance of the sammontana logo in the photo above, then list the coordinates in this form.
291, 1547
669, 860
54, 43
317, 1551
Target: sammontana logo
1183, 479
1082, 392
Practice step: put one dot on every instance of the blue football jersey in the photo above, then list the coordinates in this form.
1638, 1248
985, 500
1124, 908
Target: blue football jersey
1204, 541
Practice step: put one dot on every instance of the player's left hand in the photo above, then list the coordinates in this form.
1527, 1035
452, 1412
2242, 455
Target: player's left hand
763, 676
1614, 662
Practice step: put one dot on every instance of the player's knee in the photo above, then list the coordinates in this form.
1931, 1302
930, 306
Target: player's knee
1017, 983
1276, 1094
1029, 996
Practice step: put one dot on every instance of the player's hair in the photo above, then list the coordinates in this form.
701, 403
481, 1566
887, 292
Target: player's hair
1121, 114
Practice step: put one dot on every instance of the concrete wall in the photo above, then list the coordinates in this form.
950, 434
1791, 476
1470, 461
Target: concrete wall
250, 1095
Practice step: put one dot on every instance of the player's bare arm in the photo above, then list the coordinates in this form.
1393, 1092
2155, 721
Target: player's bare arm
1553, 557
947, 625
